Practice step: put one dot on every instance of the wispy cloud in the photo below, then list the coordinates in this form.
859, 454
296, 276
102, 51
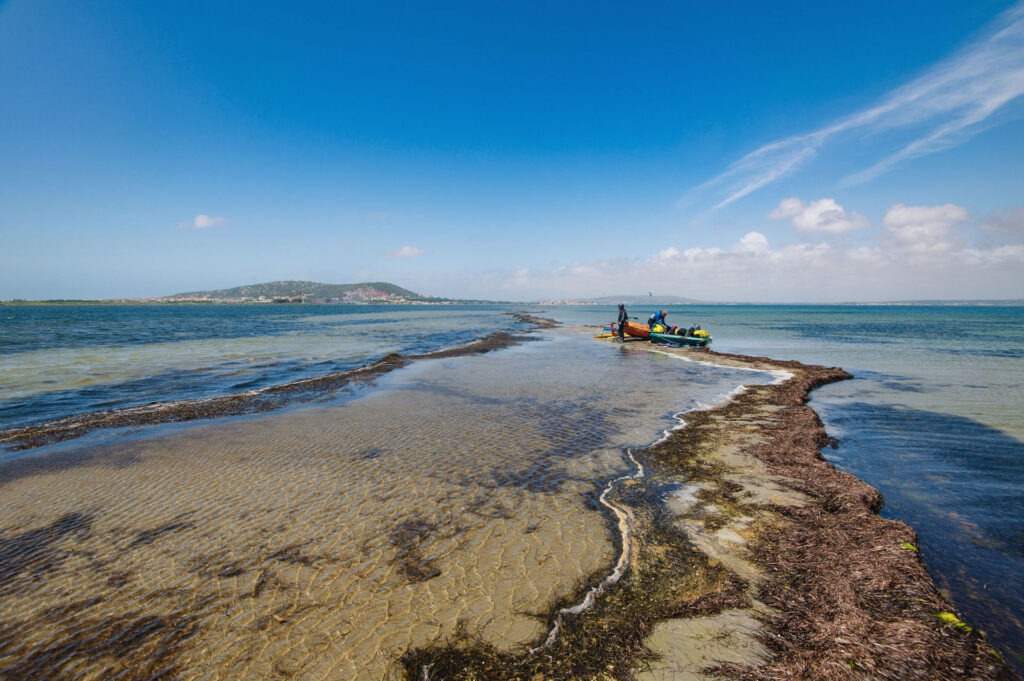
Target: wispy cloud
406, 252
947, 105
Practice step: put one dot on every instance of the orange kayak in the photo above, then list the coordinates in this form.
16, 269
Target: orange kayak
636, 330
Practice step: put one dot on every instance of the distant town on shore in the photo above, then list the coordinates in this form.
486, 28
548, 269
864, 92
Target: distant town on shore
309, 292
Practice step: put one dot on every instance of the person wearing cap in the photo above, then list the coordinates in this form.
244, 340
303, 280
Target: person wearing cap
623, 316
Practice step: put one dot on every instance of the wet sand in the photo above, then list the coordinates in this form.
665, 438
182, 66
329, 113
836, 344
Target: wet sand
318, 543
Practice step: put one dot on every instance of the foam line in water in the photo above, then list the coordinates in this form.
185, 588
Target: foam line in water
620, 567
781, 375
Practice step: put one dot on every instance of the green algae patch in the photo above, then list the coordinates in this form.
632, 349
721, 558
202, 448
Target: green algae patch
951, 620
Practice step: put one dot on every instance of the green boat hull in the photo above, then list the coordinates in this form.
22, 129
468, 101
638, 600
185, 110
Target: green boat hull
680, 341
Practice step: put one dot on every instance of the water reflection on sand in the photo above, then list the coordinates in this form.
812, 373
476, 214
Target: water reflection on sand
324, 542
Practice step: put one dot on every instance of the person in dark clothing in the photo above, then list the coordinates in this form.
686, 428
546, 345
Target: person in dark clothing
623, 316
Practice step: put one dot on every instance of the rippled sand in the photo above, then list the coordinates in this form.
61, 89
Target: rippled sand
325, 542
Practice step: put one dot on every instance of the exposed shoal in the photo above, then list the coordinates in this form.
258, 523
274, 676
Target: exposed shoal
754, 558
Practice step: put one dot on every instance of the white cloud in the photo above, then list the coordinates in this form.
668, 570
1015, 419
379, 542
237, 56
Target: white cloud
760, 168
947, 105
521, 279
921, 230
823, 215
921, 252
406, 252
752, 243
788, 208
202, 221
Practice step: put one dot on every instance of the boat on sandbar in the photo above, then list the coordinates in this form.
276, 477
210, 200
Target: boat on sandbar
700, 339
680, 341
636, 330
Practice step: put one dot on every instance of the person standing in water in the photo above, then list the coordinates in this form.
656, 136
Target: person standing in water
623, 316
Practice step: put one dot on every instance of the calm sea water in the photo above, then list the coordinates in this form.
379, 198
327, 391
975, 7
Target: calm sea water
60, 360
934, 418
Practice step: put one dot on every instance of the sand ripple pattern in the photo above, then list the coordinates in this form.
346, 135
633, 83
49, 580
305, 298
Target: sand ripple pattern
324, 542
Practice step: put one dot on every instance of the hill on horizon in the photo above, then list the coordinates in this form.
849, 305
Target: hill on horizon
303, 289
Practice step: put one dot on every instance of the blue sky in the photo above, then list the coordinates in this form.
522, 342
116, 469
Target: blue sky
745, 151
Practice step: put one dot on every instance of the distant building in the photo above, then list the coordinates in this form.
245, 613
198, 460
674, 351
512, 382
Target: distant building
371, 295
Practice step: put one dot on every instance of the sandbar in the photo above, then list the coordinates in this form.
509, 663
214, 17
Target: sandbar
754, 558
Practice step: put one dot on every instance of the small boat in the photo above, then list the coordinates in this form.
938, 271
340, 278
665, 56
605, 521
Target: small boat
636, 330
680, 341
